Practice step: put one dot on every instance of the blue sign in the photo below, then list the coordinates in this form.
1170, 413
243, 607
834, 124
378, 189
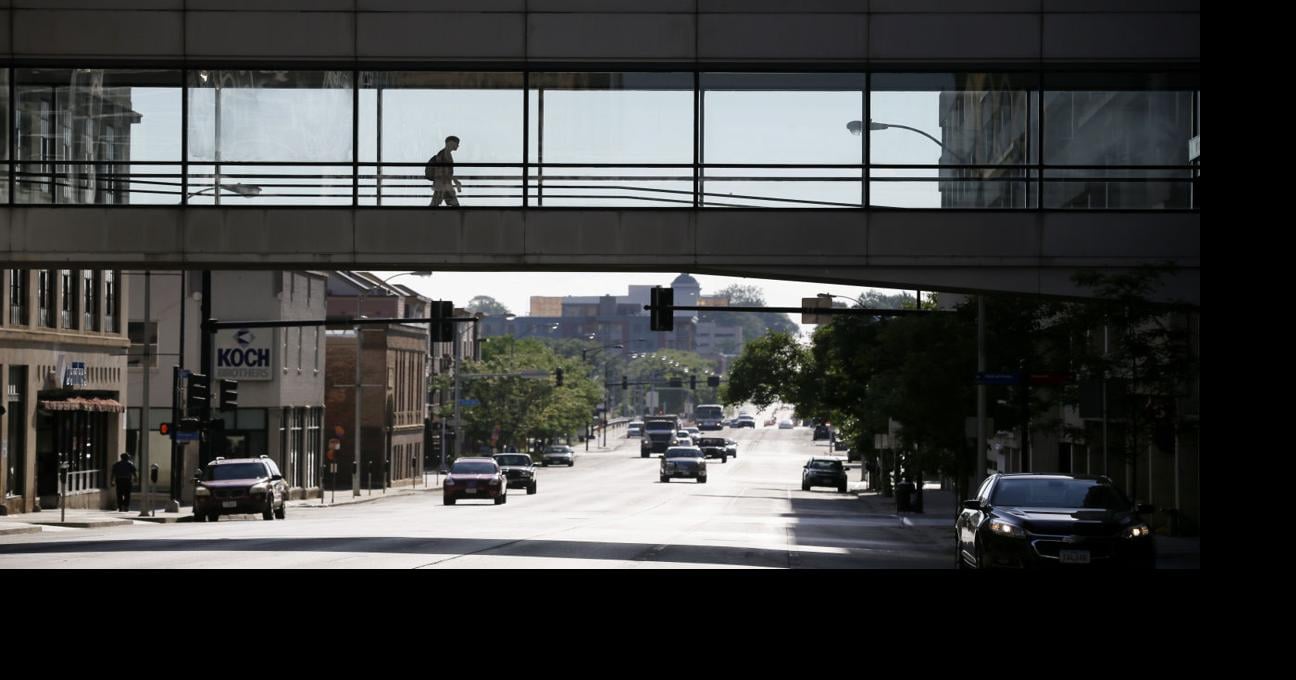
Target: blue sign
186, 436
469, 402
998, 378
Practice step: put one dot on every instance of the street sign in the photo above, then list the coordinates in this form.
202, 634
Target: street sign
983, 378
182, 436
468, 403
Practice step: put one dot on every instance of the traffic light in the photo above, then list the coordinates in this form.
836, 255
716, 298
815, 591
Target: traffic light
198, 394
662, 316
164, 429
692, 382
625, 383
558, 377
713, 381
228, 394
443, 327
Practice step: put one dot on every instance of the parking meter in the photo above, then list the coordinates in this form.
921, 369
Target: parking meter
153, 473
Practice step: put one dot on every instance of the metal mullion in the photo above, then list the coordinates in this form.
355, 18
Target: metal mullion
355, 138
13, 136
184, 137
1039, 158
699, 125
866, 161
526, 137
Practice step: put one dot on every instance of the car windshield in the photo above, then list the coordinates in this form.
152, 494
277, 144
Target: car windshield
473, 467
711, 441
831, 465
683, 453
518, 460
660, 426
1058, 493
236, 471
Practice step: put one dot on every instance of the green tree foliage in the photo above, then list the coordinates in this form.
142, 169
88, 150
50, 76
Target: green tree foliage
487, 306
527, 408
753, 325
659, 367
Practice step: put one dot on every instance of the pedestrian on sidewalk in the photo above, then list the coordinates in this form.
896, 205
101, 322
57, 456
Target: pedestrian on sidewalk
123, 477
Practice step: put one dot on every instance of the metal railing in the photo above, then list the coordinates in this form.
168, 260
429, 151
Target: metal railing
652, 185
81, 481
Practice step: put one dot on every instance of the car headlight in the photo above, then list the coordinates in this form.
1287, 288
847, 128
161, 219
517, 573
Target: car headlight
494, 482
1137, 531
999, 527
259, 489
449, 482
202, 491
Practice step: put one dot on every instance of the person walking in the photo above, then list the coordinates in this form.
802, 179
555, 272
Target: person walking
123, 477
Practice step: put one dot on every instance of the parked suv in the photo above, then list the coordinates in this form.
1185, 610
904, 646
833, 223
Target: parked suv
236, 486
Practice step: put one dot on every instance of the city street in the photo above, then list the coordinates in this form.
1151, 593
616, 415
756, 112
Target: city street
608, 511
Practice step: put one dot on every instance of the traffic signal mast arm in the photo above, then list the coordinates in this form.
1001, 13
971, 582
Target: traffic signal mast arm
798, 310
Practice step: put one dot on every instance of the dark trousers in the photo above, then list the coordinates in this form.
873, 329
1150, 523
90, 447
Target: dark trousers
123, 493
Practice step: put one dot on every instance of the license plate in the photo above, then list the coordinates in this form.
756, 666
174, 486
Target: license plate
470, 490
229, 504
1074, 556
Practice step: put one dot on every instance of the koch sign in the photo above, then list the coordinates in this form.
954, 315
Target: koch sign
245, 354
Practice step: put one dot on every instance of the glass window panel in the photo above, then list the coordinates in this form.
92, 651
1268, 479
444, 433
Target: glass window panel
1104, 126
98, 136
626, 119
419, 110
781, 118
951, 119
239, 119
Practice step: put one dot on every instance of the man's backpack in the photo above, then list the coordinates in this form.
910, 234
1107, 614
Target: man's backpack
430, 170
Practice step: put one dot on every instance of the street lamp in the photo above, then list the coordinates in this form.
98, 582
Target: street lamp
355, 327
857, 128
606, 399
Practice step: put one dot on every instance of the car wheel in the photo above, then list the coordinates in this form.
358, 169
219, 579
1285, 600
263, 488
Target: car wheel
268, 513
213, 516
702, 479
959, 562
198, 516
572, 464
665, 479
501, 500
531, 488
805, 487
643, 454
447, 500
841, 488
724, 459
282, 512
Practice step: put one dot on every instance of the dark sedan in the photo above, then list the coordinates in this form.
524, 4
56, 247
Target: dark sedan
475, 478
714, 447
519, 469
1052, 520
824, 472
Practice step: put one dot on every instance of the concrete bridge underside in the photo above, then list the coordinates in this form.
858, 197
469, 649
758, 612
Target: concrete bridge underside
962, 251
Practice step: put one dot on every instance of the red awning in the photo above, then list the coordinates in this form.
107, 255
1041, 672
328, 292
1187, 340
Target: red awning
94, 404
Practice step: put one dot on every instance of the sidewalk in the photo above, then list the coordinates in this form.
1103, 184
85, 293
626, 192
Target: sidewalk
34, 522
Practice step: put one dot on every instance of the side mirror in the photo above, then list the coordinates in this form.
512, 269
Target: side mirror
1145, 509
275, 478
973, 504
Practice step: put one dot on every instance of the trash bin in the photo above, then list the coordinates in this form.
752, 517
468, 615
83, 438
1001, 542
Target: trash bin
904, 495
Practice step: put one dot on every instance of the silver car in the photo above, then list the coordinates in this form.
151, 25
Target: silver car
558, 454
684, 461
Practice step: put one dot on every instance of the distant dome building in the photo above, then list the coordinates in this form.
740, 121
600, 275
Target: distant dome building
687, 290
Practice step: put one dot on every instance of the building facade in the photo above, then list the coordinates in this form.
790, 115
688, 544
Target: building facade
63, 376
